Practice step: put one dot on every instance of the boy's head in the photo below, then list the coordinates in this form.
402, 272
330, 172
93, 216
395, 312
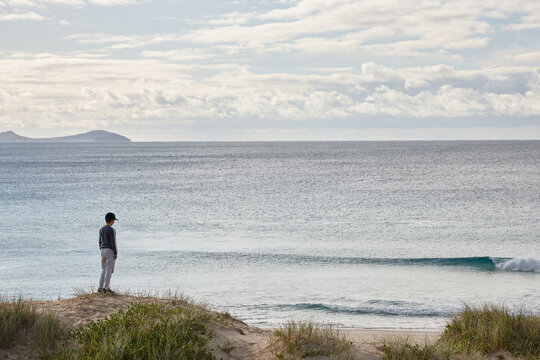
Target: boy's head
110, 218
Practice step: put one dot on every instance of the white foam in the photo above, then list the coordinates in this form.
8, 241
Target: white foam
520, 264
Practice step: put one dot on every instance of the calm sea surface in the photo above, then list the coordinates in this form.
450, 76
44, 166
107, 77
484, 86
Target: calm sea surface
357, 234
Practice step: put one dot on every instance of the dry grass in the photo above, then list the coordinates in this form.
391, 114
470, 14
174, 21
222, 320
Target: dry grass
169, 297
299, 340
175, 296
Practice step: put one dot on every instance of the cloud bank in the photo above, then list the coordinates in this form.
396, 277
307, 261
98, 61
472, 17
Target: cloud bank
293, 69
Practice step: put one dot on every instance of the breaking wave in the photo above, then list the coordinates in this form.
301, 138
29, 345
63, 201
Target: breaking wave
377, 307
480, 263
521, 264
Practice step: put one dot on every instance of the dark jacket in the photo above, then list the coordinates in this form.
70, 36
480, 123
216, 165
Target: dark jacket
107, 238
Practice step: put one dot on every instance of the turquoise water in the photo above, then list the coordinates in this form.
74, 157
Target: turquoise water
357, 234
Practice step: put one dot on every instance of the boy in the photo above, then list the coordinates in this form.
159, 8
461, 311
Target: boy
107, 245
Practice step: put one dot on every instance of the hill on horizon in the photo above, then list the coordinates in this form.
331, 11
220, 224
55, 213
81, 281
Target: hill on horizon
91, 136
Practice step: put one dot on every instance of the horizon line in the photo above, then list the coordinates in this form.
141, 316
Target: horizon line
258, 141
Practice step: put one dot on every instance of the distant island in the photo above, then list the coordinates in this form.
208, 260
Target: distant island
91, 136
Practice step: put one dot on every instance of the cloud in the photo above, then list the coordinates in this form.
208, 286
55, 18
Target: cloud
21, 16
42, 4
186, 54
387, 28
76, 89
4, 95
523, 26
124, 41
307, 18
532, 57
17, 9
263, 65
114, 2
362, 28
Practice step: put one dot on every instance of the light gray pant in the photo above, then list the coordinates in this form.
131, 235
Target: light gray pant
107, 267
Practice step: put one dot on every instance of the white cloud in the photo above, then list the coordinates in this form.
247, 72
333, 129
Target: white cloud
124, 41
4, 96
523, 26
75, 89
66, 3
114, 2
532, 57
366, 20
430, 30
21, 16
186, 54
14, 7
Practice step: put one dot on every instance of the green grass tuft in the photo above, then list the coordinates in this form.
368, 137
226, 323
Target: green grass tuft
400, 348
47, 330
474, 333
144, 331
490, 328
20, 316
298, 340
15, 316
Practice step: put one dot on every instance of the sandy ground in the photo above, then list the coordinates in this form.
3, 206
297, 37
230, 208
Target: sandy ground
249, 342
365, 341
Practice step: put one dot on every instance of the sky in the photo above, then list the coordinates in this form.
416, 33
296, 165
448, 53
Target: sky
271, 70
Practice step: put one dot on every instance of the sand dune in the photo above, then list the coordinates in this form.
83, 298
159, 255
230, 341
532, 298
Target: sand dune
249, 342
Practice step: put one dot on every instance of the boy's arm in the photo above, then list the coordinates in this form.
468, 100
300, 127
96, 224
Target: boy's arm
114, 243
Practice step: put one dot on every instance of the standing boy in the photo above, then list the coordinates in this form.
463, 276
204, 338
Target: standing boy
107, 245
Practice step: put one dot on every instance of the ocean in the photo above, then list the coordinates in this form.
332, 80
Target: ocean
386, 235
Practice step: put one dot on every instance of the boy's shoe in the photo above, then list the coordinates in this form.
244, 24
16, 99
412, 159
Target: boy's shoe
109, 291
101, 290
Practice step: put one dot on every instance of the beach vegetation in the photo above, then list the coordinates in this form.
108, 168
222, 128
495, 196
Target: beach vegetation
490, 328
16, 315
47, 330
144, 331
19, 316
302, 339
474, 333
399, 347
227, 348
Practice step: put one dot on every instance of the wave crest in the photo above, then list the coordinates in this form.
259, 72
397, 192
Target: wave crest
478, 263
520, 264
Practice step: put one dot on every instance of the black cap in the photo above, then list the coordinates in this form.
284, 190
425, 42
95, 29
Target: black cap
110, 217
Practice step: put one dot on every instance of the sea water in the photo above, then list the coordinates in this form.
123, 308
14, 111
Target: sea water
355, 234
